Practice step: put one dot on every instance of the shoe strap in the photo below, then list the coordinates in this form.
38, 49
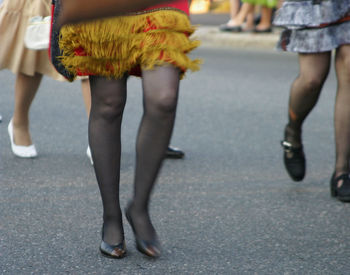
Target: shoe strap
288, 147
345, 177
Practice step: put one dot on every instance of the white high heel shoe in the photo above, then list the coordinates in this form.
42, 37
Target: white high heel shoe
88, 153
21, 151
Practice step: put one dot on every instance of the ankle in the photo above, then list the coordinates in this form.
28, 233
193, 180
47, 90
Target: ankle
263, 26
341, 171
293, 135
21, 135
235, 22
20, 122
113, 218
137, 209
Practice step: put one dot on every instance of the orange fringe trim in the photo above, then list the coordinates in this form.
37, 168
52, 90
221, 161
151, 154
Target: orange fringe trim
114, 46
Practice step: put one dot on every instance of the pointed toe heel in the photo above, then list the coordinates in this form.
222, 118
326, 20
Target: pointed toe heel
148, 248
117, 251
113, 251
18, 150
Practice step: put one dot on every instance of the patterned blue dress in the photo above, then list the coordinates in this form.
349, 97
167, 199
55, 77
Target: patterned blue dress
313, 26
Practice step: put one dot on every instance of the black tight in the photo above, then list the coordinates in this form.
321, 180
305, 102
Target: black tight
342, 110
160, 100
108, 99
160, 89
305, 91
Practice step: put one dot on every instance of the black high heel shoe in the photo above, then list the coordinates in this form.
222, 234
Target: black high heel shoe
174, 153
112, 251
342, 193
149, 248
294, 160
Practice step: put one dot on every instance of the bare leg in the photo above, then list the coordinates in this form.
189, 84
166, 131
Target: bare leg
26, 88
305, 91
265, 21
160, 88
249, 22
279, 3
108, 101
342, 110
85, 89
234, 8
239, 19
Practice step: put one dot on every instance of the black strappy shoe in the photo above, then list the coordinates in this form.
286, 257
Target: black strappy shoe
294, 160
342, 193
112, 251
174, 153
149, 248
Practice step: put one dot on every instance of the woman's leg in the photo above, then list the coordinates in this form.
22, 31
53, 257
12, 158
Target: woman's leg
342, 110
171, 152
234, 8
304, 92
265, 20
160, 88
85, 90
249, 21
108, 99
246, 10
26, 88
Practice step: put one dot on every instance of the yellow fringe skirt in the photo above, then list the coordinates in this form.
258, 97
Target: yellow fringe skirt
128, 44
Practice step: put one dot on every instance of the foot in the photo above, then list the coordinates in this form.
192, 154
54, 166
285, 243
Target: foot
23, 148
340, 186
115, 247
145, 235
174, 153
231, 26
113, 251
294, 160
263, 28
248, 29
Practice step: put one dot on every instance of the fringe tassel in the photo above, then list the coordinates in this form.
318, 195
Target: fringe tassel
114, 46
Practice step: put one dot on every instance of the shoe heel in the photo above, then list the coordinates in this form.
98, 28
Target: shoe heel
333, 192
332, 186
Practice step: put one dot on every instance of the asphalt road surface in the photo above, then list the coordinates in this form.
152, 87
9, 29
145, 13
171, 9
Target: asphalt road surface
227, 208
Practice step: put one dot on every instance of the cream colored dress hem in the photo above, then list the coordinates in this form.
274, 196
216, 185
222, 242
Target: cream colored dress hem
14, 56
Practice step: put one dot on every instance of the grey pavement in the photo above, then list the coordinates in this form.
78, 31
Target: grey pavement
227, 208
210, 36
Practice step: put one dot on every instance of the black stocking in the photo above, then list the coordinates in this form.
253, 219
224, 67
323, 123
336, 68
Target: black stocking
160, 87
342, 110
305, 91
108, 99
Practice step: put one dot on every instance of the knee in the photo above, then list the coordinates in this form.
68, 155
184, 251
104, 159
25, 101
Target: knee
109, 108
313, 82
343, 63
164, 103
